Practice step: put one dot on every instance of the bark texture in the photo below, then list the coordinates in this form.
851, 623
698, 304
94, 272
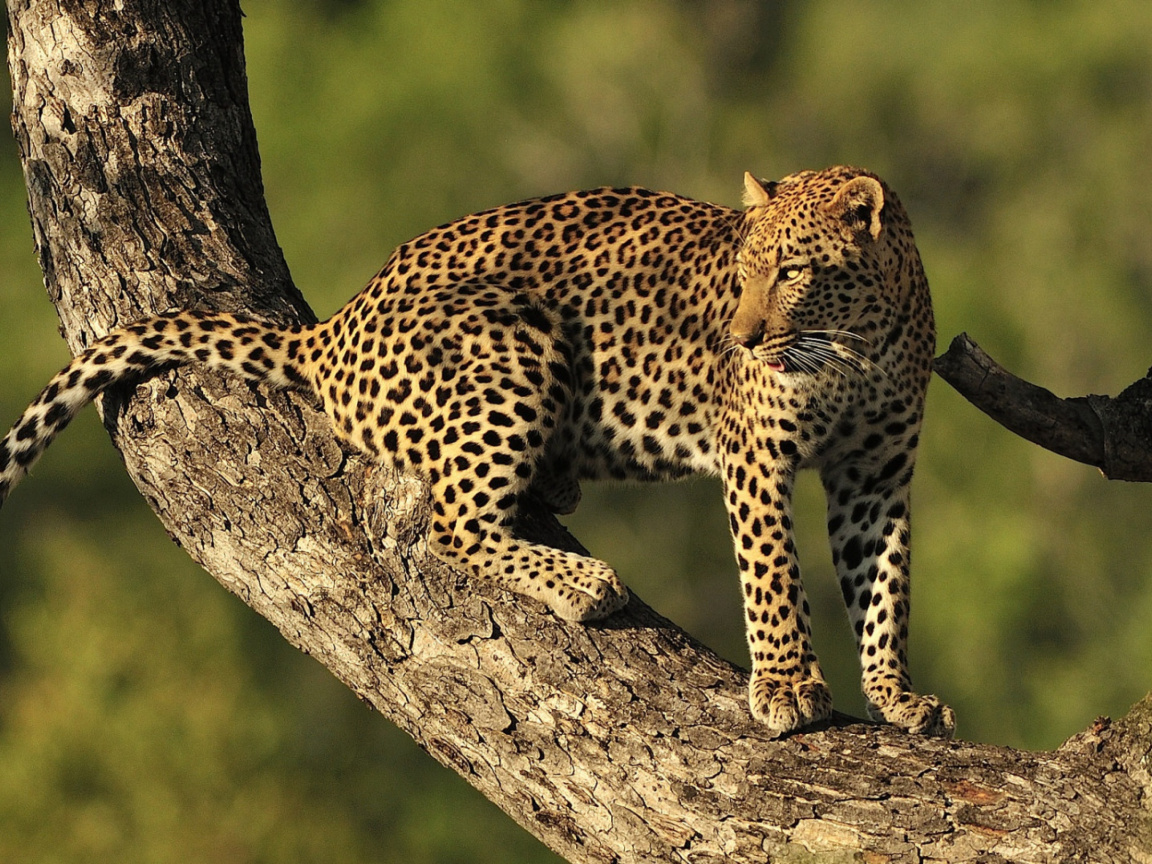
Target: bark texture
626, 741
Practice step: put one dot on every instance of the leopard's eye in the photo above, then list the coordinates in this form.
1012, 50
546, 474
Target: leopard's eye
790, 272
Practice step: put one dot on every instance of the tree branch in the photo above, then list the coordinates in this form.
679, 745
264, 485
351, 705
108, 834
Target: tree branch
626, 741
1111, 433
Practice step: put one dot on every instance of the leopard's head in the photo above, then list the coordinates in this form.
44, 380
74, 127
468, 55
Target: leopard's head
827, 262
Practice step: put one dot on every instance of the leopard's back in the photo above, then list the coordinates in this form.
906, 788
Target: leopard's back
636, 287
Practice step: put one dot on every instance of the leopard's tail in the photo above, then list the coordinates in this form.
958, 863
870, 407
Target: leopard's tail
250, 348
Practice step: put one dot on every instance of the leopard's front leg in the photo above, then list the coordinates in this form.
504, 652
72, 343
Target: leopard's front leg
787, 689
868, 526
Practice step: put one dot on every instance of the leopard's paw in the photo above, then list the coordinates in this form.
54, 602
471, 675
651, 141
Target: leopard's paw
588, 592
787, 704
923, 715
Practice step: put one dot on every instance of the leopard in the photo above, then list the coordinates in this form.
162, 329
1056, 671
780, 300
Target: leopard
621, 333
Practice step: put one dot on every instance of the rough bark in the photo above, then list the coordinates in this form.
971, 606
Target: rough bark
626, 741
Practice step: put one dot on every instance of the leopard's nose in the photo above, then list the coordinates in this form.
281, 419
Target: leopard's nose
748, 338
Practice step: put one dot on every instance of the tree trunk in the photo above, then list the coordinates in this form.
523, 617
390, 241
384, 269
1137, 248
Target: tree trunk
625, 741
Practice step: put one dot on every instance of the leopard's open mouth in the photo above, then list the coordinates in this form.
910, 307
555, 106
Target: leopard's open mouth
792, 360
810, 353
785, 353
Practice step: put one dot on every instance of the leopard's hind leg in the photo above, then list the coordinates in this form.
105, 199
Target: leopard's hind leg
501, 387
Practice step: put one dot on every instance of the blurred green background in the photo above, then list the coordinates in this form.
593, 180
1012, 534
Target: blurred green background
148, 716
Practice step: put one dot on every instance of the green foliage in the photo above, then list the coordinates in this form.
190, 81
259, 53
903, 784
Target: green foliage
145, 715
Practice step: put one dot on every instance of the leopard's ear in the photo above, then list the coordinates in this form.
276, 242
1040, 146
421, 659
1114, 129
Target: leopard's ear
858, 204
755, 195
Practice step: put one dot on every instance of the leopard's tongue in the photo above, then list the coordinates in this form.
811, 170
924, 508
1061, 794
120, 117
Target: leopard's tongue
775, 365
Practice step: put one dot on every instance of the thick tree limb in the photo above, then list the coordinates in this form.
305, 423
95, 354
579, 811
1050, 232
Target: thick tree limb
623, 742
1112, 433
